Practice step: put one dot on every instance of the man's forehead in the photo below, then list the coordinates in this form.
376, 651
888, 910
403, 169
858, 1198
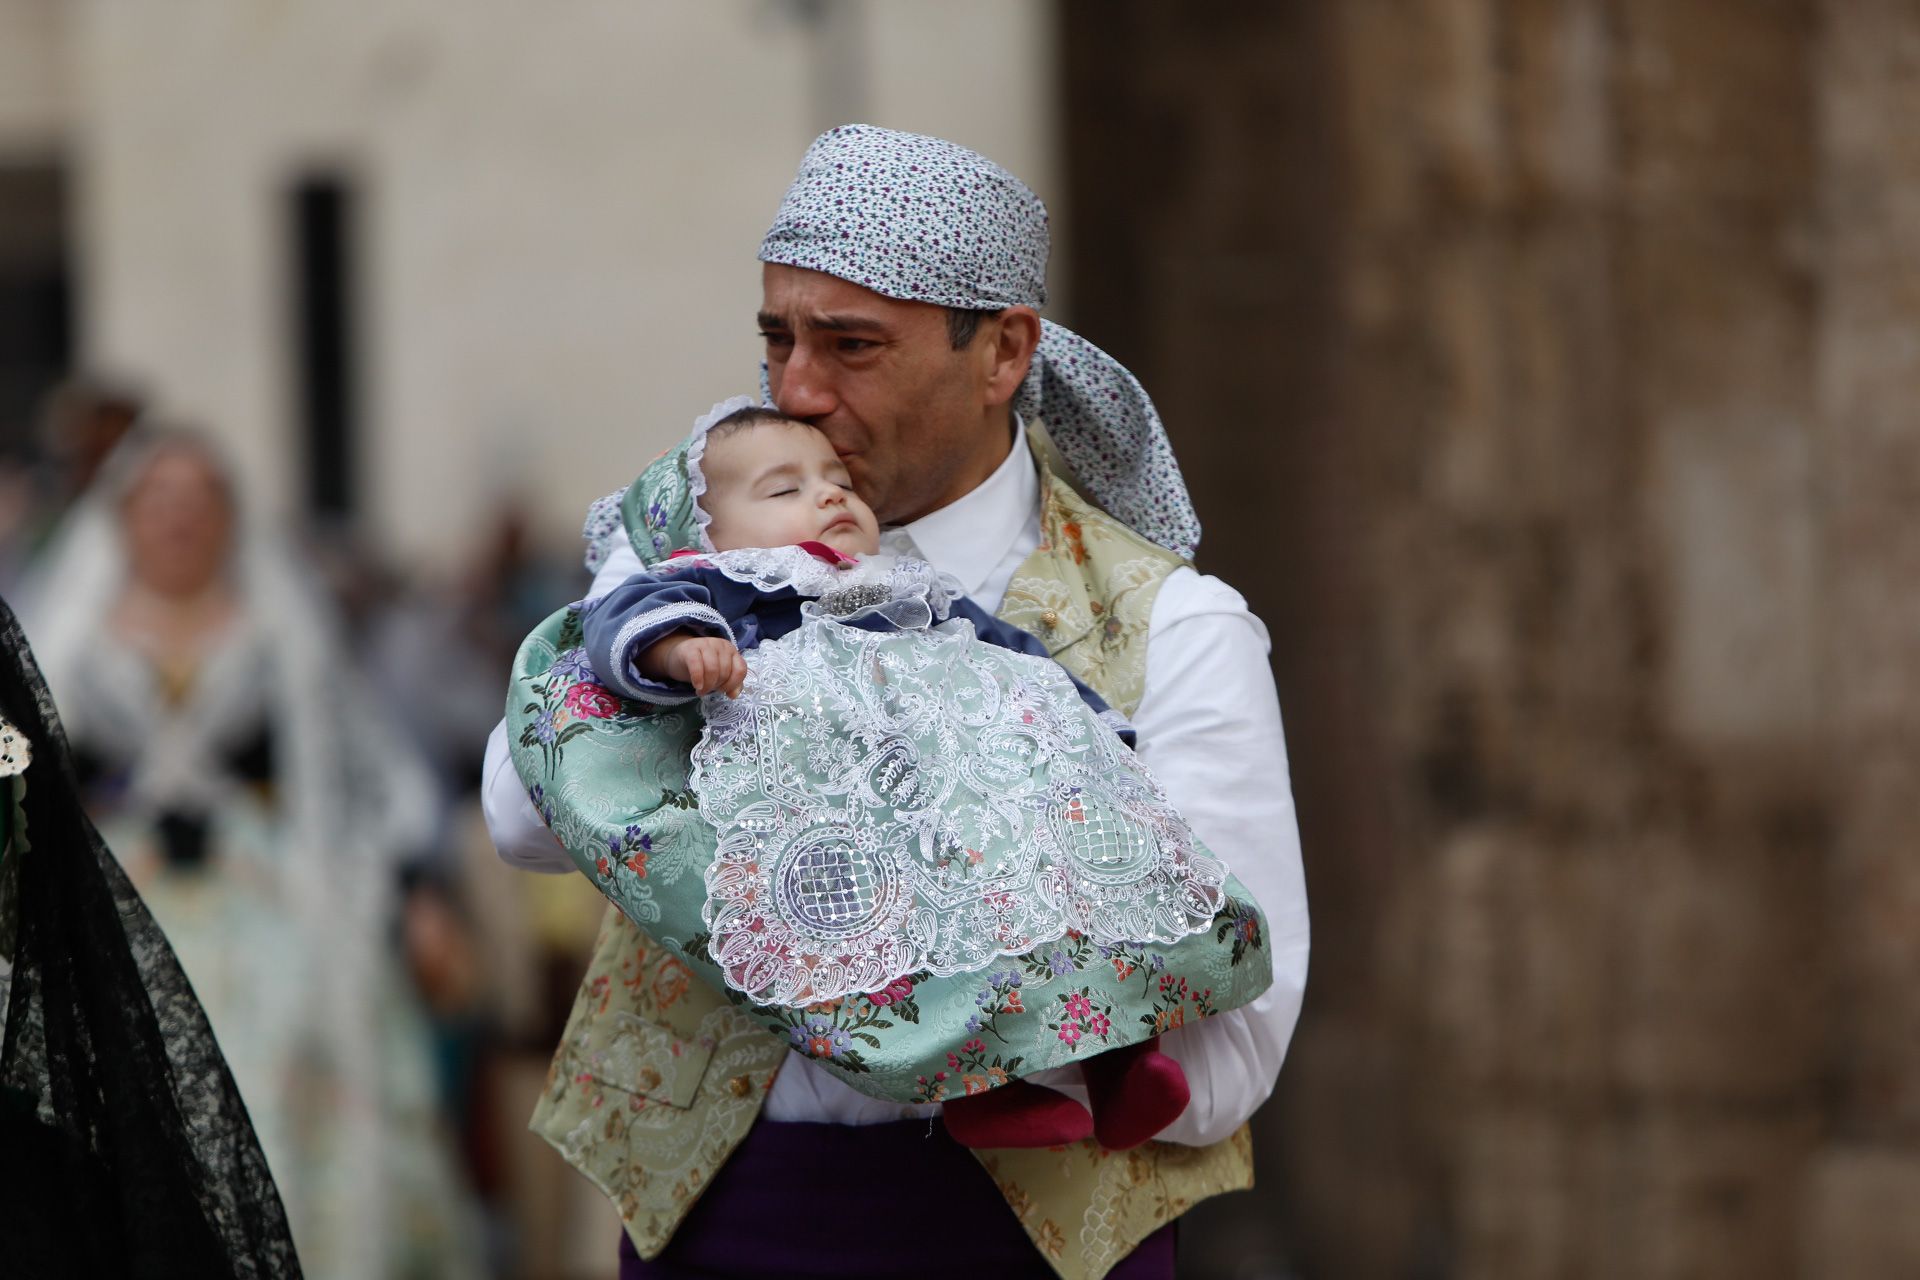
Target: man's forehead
798, 296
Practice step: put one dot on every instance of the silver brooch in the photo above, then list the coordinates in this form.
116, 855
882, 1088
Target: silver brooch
842, 601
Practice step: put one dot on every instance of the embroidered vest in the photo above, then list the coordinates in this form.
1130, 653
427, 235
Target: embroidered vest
658, 1077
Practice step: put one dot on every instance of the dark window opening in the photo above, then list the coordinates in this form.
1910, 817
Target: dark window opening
325, 367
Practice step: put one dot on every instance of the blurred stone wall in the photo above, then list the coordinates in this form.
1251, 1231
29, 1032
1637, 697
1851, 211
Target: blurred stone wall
1548, 375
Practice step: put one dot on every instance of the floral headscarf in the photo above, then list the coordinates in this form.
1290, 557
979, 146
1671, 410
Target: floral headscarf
925, 220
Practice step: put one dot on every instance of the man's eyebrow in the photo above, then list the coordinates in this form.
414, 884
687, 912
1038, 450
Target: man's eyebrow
836, 322
845, 322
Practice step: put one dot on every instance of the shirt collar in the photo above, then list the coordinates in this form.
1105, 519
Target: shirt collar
970, 536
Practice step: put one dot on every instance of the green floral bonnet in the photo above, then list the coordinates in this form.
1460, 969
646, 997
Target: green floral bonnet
660, 511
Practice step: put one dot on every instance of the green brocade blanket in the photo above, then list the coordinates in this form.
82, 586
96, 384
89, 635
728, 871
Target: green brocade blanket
611, 779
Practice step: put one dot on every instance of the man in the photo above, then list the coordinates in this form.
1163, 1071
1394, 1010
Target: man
901, 287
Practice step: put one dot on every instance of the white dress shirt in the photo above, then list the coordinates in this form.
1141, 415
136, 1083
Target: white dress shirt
1209, 728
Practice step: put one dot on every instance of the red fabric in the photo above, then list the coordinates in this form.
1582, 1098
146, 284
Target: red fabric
818, 550
821, 551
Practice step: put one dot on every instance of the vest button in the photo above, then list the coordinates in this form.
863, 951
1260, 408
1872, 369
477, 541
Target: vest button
1049, 619
740, 1086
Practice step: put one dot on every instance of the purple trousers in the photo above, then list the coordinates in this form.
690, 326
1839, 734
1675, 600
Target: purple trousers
843, 1201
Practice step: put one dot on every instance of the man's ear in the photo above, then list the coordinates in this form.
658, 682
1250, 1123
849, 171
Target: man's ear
1007, 350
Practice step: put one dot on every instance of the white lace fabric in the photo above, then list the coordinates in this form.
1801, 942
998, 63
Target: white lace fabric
910, 592
889, 803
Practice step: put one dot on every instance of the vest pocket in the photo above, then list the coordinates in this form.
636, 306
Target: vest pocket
628, 1053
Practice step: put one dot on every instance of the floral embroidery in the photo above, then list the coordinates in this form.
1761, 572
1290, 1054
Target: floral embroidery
591, 702
1242, 921
999, 998
671, 981
1081, 1015
828, 1030
1129, 958
978, 1072
632, 848
1077, 546
1061, 959
1171, 1002
561, 714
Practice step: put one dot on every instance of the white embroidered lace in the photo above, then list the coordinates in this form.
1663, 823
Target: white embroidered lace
902, 587
888, 803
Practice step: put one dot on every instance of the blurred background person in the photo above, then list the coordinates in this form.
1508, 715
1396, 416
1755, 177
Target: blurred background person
263, 804
82, 420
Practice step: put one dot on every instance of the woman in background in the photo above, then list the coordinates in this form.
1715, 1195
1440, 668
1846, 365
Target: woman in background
256, 798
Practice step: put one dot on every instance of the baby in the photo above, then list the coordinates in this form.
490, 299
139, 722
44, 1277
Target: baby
776, 484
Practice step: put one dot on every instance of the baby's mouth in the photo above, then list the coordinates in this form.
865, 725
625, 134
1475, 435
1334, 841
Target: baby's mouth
842, 522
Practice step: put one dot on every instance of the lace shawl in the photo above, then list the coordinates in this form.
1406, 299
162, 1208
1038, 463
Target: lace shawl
124, 1145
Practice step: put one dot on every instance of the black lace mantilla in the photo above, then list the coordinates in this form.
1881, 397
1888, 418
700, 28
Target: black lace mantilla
124, 1147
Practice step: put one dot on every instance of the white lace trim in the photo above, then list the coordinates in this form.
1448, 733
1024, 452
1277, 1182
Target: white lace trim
888, 803
875, 581
697, 452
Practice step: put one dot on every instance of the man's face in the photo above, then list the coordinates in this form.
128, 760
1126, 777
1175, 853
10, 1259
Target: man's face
879, 377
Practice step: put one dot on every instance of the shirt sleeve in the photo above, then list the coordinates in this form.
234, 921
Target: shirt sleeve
519, 836
641, 611
1210, 730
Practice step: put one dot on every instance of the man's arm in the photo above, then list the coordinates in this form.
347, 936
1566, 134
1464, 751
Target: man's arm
1209, 727
518, 834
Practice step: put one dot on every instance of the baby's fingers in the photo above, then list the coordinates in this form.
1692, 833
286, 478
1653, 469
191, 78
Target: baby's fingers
700, 667
736, 675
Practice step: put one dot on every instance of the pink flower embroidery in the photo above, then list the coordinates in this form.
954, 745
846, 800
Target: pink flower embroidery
1078, 1006
1070, 1033
894, 992
592, 702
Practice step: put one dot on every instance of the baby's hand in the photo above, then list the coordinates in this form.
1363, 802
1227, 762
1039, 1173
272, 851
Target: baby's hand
705, 662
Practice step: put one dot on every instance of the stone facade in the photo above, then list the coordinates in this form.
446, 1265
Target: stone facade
1546, 374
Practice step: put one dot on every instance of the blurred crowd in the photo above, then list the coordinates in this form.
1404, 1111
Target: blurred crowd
280, 736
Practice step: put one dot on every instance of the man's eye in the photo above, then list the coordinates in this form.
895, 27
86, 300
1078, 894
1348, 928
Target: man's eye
852, 345
775, 338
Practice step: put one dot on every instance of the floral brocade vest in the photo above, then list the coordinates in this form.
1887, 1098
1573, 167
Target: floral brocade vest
658, 1077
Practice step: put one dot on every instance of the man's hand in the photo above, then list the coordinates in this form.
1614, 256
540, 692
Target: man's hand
705, 662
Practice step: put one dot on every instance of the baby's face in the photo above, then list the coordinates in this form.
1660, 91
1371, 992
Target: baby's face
777, 483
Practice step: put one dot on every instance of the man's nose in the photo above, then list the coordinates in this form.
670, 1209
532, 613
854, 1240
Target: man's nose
805, 391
